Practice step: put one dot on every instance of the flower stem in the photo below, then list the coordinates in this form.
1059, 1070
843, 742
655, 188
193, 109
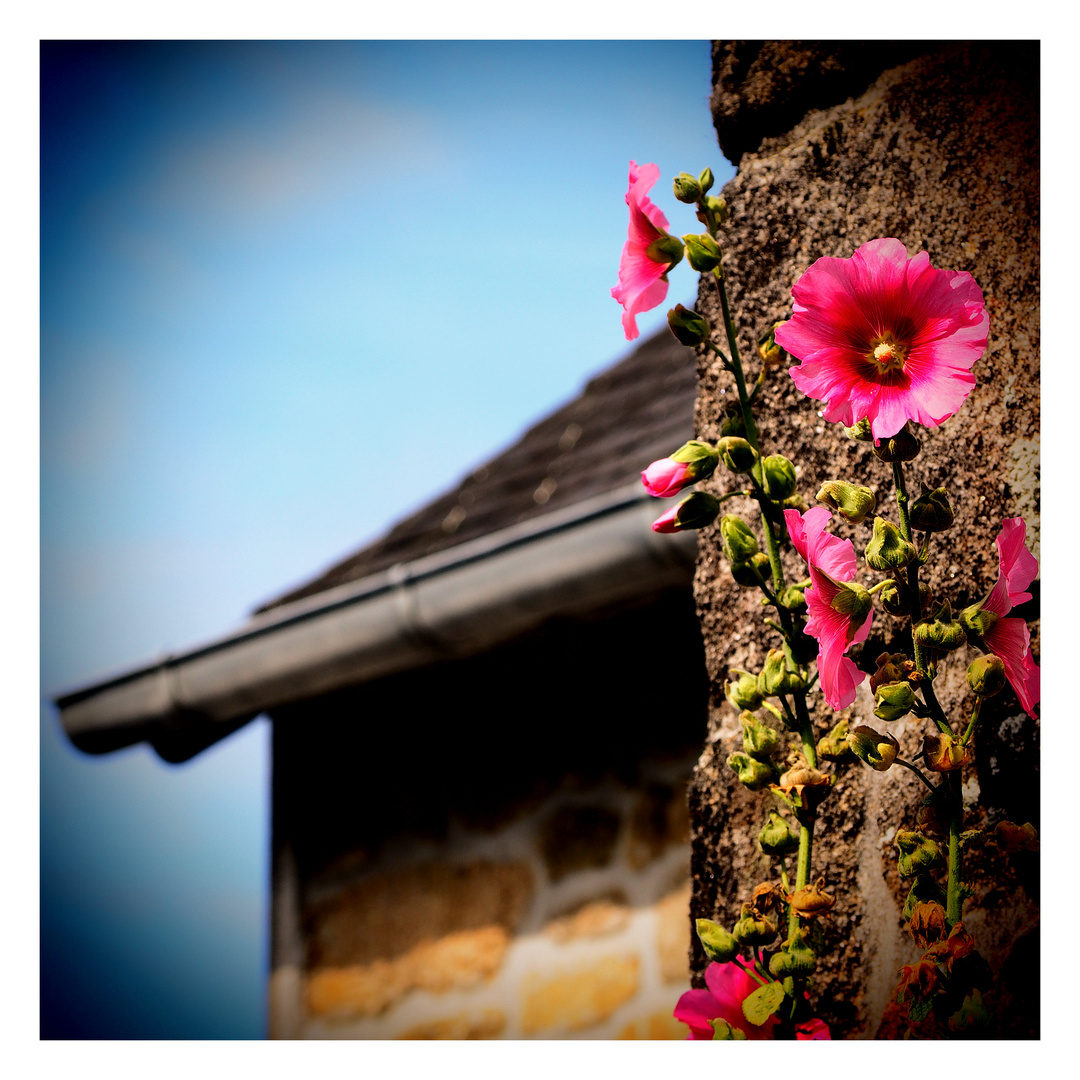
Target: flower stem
918, 772
974, 721
736, 362
954, 898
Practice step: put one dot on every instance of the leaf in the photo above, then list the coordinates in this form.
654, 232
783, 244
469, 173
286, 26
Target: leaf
764, 1002
920, 1010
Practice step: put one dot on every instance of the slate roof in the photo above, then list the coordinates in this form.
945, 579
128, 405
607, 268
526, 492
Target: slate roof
634, 412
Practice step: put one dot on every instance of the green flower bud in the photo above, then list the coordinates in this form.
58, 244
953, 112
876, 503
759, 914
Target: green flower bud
795, 960
759, 740
903, 446
834, 746
771, 354
737, 454
851, 502
705, 179
724, 1032
688, 326
701, 458
852, 600
718, 944
794, 598
918, 853
734, 424
931, 511
702, 252
940, 632
718, 206
893, 700
870, 746
744, 572
776, 837
687, 188
894, 598
977, 622
986, 675
775, 678
778, 477
697, 511
888, 550
860, 431
739, 542
752, 773
742, 691
753, 928
667, 249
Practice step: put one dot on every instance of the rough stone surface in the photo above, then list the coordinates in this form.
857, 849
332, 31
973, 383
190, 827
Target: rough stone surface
941, 152
576, 999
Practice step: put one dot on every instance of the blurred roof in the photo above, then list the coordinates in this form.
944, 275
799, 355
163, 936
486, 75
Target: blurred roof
640, 409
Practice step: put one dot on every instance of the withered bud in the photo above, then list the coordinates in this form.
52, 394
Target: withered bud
943, 753
889, 670
767, 897
928, 924
1012, 838
811, 900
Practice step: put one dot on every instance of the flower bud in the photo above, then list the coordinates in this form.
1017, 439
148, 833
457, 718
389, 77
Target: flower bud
795, 960
918, 853
870, 746
752, 773
894, 598
893, 700
778, 477
977, 622
903, 446
739, 542
688, 326
718, 944
986, 675
931, 511
702, 252
834, 746
705, 179
759, 740
771, 354
852, 503
793, 598
888, 550
775, 678
939, 632
860, 431
734, 423
742, 691
718, 206
737, 454
696, 511
776, 837
943, 753
725, 1032
753, 929
687, 188
928, 925
746, 572
693, 461
811, 900
667, 249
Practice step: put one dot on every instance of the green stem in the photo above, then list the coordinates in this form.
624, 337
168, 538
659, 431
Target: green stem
750, 971
918, 772
736, 362
974, 720
954, 900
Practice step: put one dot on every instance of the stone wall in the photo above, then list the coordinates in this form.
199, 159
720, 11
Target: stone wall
935, 144
495, 847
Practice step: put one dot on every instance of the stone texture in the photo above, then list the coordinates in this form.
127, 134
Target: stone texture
578, 837
593, 920
941, 152
671, 935
579, 998
488, 1025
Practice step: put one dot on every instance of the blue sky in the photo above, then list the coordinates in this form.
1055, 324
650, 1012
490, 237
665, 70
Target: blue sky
289, 292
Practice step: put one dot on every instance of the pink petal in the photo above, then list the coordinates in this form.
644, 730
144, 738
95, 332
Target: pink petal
730, 986
812, 1029
696, 1008
665, 478
1017, 568
1011, 640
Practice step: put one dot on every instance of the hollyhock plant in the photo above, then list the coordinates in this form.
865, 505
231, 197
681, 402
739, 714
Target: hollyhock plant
1010, 639
884, 337
666, 477
839, 614
649, 252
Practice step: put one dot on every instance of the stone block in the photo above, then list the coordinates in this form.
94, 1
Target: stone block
577, 999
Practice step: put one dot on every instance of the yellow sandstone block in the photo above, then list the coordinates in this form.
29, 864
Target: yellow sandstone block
673, 935
579, 998
485, 1026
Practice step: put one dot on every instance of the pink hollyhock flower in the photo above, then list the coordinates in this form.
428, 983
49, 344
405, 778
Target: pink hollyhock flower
643, 280
666, 477
885, 337
1009, 638
728, 986
832, 563
812, 1030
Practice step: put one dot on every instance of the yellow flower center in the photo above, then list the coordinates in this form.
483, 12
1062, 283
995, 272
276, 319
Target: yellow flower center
887, 354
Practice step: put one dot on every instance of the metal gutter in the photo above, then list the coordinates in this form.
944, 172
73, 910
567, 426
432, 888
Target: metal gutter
454, 603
